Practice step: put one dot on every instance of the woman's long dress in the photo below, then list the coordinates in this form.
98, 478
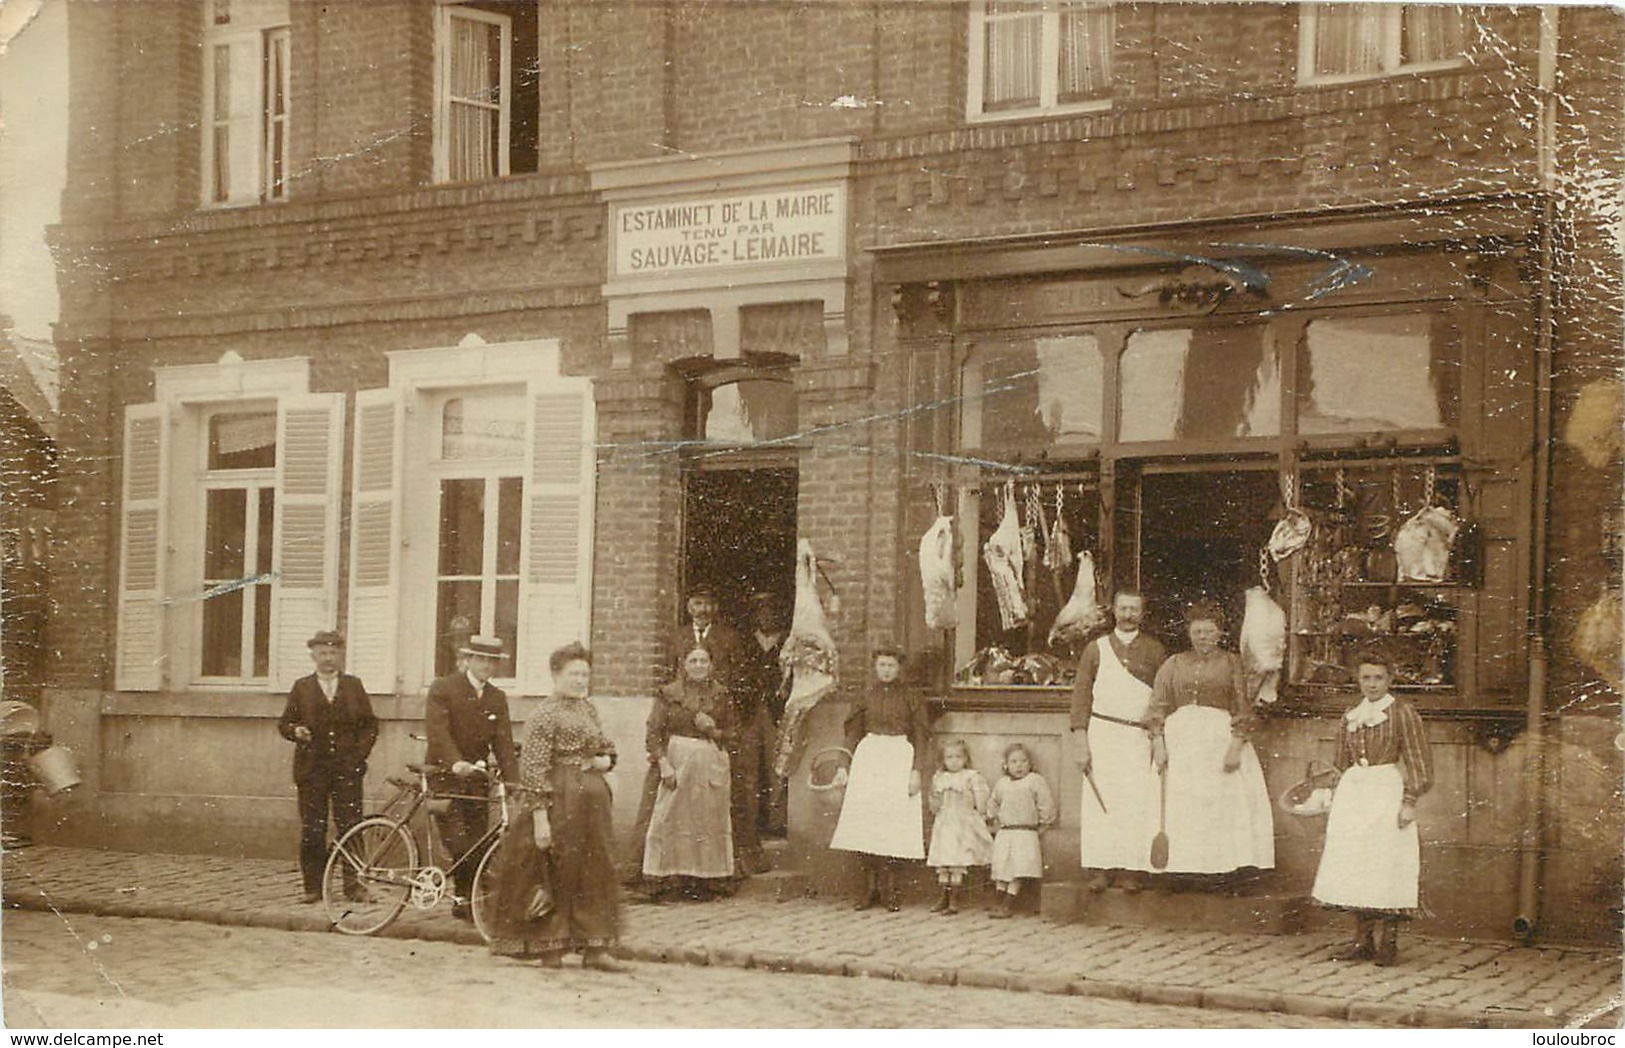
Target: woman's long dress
1217, 821
1370, 862
691, 830
564, 734
887, 734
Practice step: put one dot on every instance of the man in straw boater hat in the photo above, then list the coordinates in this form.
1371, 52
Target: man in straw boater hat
329, 720
466, 717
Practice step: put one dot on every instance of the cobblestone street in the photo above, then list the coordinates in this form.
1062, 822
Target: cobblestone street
80, 971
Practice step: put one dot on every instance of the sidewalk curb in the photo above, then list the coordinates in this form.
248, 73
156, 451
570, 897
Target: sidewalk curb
1222, 998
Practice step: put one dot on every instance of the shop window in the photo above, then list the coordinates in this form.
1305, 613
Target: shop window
487, 84
1387, 563
246, 82
1033, 394
1377, 374
1343, 42
1030, 58
1023, 607
1210, 383
481, 457
225, 591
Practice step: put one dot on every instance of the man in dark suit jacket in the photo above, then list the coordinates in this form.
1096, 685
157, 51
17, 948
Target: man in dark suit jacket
329, 720
466, 717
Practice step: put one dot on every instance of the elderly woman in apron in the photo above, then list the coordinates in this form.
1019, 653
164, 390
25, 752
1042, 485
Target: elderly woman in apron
1219, 816
689, 846
1372, 863
882, 817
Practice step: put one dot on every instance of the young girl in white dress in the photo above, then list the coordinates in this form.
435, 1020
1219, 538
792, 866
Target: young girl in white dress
1020, 809
959, 834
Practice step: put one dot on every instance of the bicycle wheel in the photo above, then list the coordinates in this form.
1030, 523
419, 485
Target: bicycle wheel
485, 891
369, 876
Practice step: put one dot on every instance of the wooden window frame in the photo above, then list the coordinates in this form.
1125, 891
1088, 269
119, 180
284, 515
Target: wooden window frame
1392, 29
1049, 103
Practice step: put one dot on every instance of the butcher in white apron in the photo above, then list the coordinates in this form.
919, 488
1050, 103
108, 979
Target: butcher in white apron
1372, 864
1113, 749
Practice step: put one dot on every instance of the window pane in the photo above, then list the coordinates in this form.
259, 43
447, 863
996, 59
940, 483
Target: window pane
1375, 373
457, 617
224, 535
262, 630
474, 89
267, 531
1034, 393
223, 635
1432, 33
1214, 383
751, 411
1348, 38
242, 441
510, 500
1086, 51
483, 426
462, 527
1014, 52
506, 624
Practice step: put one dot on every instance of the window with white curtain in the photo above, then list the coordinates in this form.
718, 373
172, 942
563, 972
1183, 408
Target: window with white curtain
1030, 57
246, 84
1342, 42
486, 89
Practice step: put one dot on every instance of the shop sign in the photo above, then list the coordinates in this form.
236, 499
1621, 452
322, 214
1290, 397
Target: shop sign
698, 234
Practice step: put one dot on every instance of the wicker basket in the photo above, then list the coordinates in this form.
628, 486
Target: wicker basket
828, 792
1311, 797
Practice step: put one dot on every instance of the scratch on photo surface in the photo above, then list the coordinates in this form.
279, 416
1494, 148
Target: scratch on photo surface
86, 946
229, 586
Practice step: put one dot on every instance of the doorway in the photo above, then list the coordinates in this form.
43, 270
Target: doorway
740, 536
1199, 537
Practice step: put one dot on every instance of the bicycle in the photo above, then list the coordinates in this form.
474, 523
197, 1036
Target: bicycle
373, 871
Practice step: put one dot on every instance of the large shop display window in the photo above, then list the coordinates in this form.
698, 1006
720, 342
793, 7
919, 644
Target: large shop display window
1312, 456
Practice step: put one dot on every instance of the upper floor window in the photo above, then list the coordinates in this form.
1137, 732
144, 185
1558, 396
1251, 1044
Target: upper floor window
1029, 58
1340, 42
486, 89
245, 101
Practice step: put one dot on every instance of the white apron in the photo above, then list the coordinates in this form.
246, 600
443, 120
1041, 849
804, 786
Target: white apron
1120, 837
1218, 821
691, 831
878, 817
1369, 862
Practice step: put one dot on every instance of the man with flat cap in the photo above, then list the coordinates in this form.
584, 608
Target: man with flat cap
329, 720
466, 719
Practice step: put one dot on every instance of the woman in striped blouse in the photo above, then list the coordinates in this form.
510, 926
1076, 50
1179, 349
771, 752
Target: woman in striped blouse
1372, 864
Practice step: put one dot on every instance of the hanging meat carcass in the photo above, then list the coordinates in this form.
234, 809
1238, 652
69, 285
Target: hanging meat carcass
1002, 554
1422, 545
937, 574
1082, 613
808, 656
1263, 644
1596, 639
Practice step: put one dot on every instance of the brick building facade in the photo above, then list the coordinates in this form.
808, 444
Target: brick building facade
347, 284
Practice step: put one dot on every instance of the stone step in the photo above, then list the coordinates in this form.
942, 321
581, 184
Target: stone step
780, 885
1241, 911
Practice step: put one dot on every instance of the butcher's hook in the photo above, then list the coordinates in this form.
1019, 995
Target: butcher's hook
1264, 567
939, 493
1428, 481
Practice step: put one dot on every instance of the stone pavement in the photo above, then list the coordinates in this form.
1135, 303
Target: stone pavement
1438, 982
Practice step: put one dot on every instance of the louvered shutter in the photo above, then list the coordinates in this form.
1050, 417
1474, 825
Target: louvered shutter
557, 583
374, 543
140, 662
309, 442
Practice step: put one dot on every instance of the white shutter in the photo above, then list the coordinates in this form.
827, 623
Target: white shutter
556, 586
140, 659
310, 438
374, 540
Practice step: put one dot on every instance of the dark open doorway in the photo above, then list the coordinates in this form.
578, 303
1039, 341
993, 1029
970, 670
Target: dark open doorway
740, 536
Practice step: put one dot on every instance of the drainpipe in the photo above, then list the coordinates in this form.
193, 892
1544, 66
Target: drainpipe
1527, 922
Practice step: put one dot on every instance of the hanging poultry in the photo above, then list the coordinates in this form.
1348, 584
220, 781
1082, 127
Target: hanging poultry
1082, 613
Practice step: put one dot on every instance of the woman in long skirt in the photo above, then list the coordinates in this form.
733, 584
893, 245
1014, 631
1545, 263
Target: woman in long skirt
1372, 864
1219, 817
556, 886
690, 840
882, 815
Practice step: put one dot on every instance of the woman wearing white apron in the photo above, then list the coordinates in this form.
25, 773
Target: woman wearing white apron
1219, 814
1372, 865
1112, 749
882, 817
